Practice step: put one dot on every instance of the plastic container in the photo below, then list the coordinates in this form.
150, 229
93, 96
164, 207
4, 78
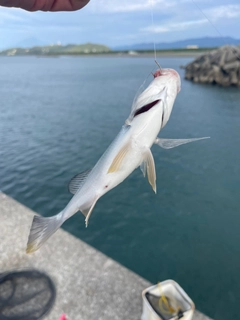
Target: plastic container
166, 301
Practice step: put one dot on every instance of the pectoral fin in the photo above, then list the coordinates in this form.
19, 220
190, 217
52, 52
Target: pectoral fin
87, 212
172, 143
116, 164
151, 170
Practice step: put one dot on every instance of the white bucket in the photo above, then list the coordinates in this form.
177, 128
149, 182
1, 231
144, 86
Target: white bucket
182, 307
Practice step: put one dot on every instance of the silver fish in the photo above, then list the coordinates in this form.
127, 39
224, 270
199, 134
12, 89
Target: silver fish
150, 112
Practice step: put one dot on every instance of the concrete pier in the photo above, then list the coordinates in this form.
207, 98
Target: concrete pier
90, 286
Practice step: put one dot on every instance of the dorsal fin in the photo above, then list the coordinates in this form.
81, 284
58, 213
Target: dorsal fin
77, 181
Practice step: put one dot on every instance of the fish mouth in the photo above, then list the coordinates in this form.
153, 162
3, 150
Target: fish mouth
165, 72
158, 73
162, 72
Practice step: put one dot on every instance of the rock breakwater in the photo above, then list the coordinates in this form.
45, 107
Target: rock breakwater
220, 66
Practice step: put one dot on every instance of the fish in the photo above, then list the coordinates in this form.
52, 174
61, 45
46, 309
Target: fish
130, 149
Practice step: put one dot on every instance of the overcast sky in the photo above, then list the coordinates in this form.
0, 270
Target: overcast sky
122, 22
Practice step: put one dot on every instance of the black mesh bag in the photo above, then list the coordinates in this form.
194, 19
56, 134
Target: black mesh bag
25, 295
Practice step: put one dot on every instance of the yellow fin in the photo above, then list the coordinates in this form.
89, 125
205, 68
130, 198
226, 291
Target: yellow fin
116, 164
42, 228
30, 248
151, 170
87, 212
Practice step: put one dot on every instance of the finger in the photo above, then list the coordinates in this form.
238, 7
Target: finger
45, 5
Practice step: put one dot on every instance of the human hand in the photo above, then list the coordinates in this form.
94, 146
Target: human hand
45, 5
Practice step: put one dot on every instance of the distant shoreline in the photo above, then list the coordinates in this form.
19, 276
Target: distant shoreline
99, 50
114, 54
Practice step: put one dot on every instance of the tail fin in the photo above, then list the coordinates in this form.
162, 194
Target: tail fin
42, 229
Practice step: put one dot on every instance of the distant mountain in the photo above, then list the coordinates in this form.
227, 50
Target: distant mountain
29, 43
74, 49
207, 42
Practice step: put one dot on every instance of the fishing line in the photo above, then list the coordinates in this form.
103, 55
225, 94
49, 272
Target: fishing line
207, 18
215, 28
154, 42
141, 88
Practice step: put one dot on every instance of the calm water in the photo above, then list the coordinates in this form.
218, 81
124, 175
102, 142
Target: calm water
58, 115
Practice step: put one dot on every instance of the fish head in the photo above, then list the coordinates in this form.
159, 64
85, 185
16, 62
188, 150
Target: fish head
160, 94
171, 81
170, 77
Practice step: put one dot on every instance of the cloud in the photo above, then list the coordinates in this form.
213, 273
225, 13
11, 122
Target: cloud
168, 27
124, 6
202, 16
223, 12
115, 22
11, 15
128, 6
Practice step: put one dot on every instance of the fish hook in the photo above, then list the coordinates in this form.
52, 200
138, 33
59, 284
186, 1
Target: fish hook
158, 64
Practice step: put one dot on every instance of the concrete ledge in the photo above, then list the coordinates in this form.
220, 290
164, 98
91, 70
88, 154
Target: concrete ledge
89, 285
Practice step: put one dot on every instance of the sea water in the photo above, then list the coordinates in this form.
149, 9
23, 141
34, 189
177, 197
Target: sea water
57, 117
